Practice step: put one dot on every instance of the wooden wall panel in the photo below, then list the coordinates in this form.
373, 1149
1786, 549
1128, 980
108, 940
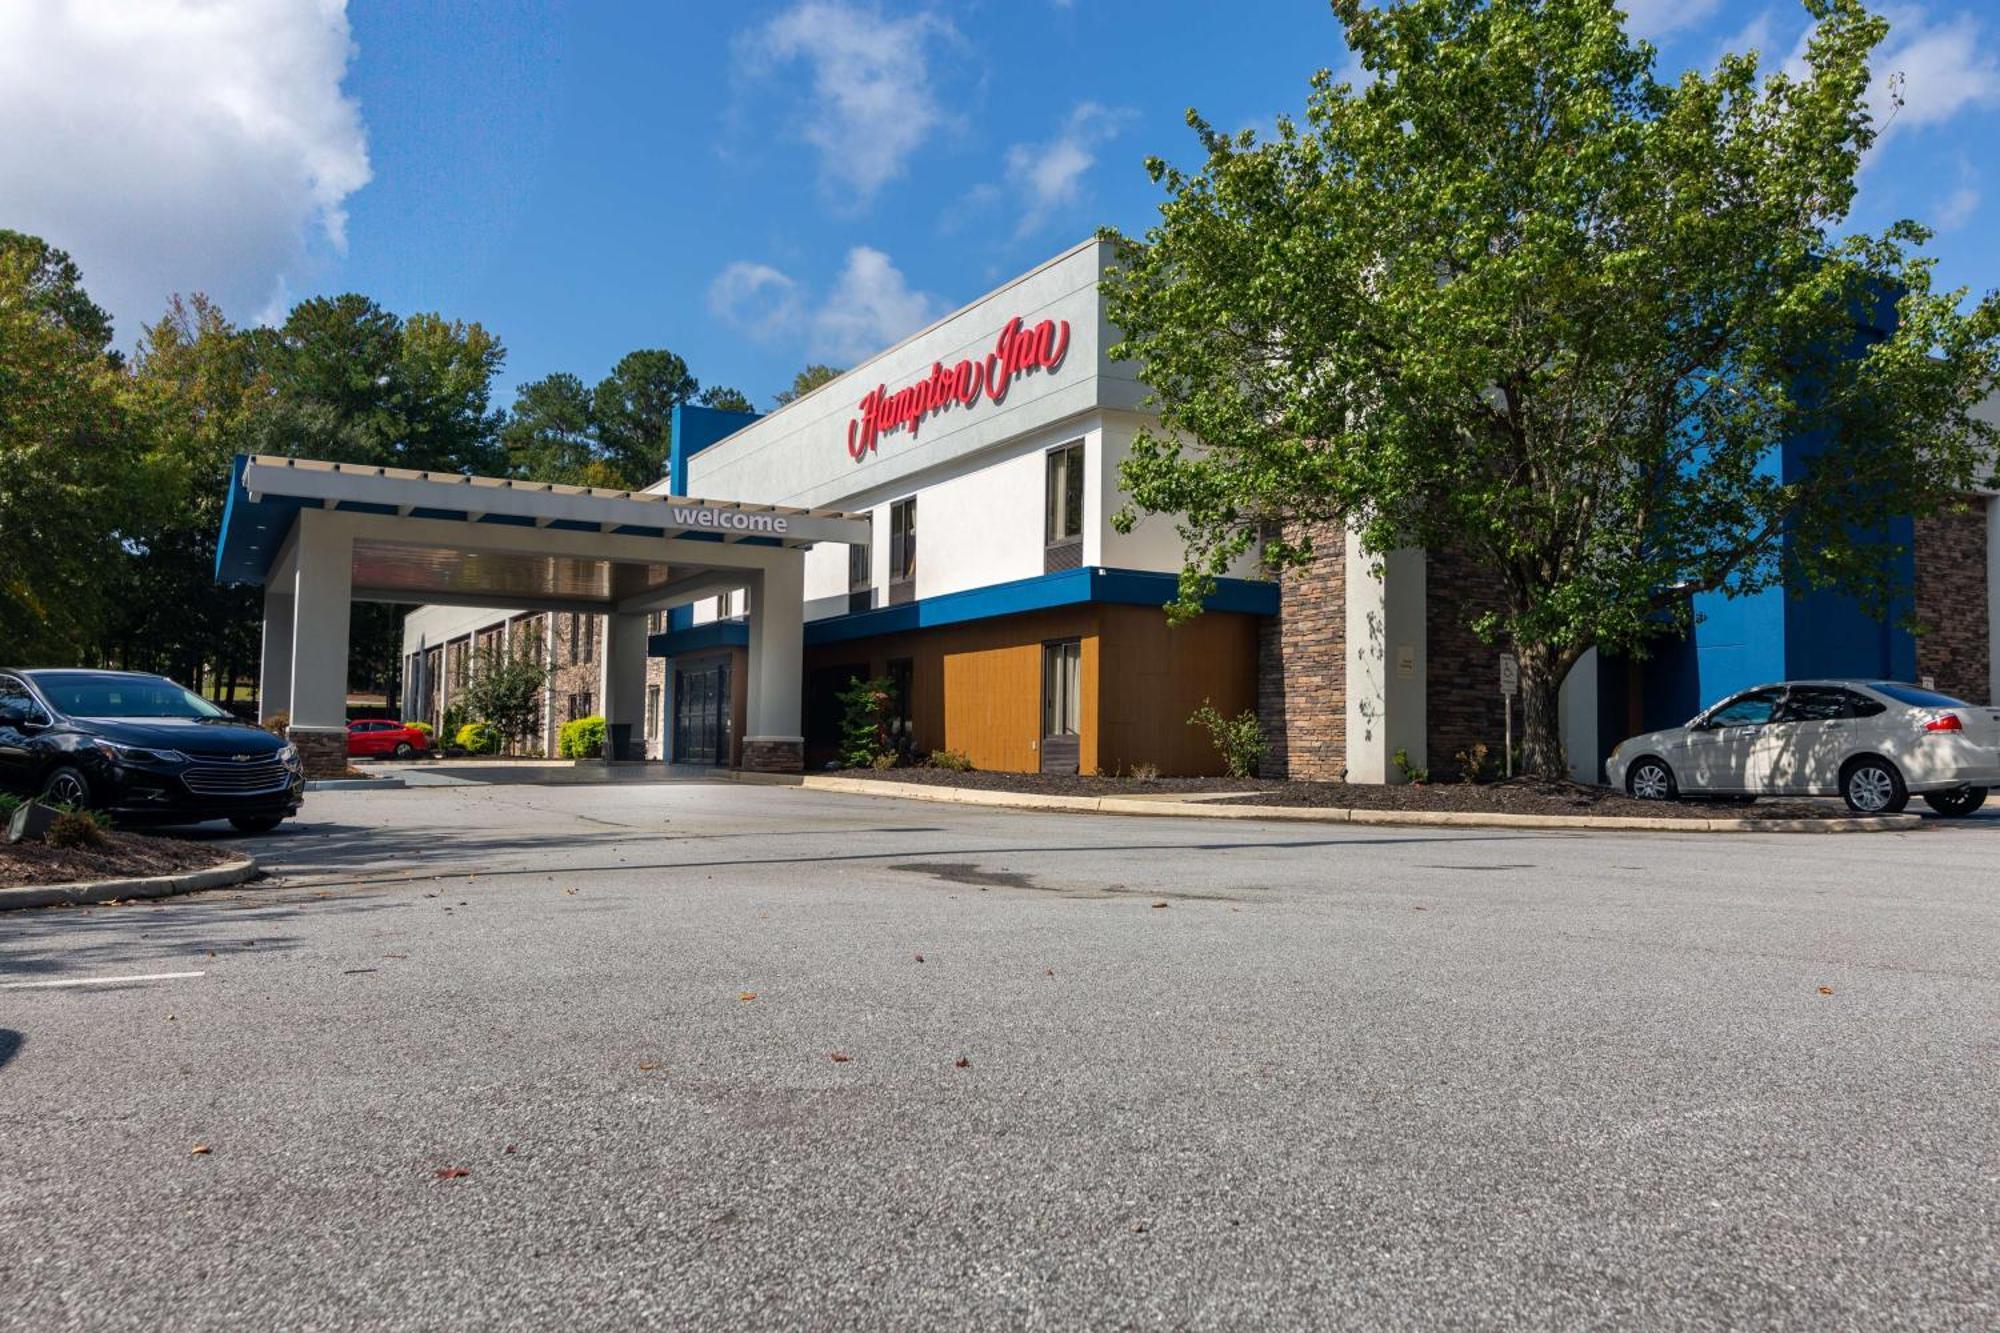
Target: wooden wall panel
978, 686
1156, 675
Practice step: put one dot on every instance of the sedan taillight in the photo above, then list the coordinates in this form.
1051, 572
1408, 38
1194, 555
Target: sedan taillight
1948, 722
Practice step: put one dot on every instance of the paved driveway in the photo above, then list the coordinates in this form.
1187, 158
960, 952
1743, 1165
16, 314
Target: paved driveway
1092, 1072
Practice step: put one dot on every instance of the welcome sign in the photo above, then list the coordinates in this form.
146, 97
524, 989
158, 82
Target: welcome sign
728, 520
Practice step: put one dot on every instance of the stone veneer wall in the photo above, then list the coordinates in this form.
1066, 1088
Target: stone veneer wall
579, 677
1953, 601
774, 756
1302, 667
322, 750
1462, 703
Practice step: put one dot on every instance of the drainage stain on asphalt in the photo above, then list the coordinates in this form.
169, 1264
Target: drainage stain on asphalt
964, 872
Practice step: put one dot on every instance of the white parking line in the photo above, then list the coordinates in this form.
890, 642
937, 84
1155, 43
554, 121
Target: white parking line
97, 981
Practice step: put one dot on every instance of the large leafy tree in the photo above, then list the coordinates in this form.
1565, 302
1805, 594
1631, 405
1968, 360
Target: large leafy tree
803, 383
1520, 297
634, 408
551, 434
74, 466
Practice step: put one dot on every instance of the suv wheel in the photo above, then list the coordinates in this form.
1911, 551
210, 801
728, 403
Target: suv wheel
1872, 786
67, 786
1957, 803
1651, 780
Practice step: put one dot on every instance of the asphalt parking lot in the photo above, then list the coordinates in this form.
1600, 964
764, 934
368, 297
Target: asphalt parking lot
706, 1054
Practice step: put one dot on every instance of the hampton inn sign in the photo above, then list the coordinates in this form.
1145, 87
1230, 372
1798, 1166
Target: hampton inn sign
1019, 349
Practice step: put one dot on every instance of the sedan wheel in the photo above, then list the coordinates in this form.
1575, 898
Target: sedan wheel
404, 749
1873, 787
67, 786
1651, 780
1956, 804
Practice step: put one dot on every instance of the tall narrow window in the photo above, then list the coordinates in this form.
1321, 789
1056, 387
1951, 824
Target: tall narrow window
1062, 513
860, 577
1062, 705
902, 550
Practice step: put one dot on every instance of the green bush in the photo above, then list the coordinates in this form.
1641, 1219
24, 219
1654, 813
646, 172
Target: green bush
479, 738
9, 803
75, 828
1411, 772
582, 738
424, 727
1239, 740
866, 708
952, 761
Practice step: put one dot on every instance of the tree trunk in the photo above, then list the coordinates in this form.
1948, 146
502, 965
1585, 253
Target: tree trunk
1542, 672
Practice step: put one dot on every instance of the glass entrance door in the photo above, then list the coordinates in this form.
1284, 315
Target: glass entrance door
701, 714
1062, 705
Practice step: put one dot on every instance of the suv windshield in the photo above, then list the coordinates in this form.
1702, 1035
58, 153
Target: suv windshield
89, 694
1914, 696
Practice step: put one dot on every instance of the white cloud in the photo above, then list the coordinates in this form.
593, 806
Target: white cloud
1960, 206
1940, 69
755, 299
871, 101
179, 145
1654, 19
1047, 177
870, 307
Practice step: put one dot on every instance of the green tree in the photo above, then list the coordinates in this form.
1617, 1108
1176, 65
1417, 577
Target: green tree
807, 380
550, 434
74, 469
634, 407
506, 691
725, 399
1521, 298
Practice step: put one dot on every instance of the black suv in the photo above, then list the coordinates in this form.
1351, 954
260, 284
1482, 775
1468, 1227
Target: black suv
143, 749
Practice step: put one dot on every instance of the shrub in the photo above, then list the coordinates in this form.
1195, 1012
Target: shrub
425, 728
1143, 772
864, 727
582, 738
478, 738
885, 760
1472, 762
1239, 740
9, 803
1411, 773
454, 720
75, 828
277, 722
952, 761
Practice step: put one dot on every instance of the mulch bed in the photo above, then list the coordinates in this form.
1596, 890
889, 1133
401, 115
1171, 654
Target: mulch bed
121, 856
1514, 796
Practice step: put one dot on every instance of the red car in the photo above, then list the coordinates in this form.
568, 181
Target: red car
379, 738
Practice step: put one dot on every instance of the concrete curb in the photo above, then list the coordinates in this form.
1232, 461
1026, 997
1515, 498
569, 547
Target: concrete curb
1128, 805
355, 784
87, 892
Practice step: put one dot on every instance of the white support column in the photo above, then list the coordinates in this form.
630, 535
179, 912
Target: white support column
274, 676
622, 677
775, 742
1577, 704
321, 604
1993, 599
1387, 662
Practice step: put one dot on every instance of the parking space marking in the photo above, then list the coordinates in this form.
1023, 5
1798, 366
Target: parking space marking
97, 981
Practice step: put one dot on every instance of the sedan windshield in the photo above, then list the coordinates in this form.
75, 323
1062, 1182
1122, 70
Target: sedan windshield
1914, 696
88, 694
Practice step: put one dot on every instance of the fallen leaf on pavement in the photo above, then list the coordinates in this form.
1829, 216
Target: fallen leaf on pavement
1159, 904
747, 995
510, 1147
920, 958
200, 1150
1826, 990
648, 1066
1420, 909
961, 1063
1048, 971
452, 1173
839, 1057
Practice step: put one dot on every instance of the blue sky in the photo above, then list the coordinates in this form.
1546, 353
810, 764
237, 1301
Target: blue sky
752, 185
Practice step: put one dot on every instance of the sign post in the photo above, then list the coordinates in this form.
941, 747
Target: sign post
1510, 685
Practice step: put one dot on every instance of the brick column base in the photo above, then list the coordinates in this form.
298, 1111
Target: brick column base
774, 754
323, 750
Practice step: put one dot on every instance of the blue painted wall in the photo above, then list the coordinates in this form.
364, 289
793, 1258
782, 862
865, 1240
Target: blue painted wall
694, 429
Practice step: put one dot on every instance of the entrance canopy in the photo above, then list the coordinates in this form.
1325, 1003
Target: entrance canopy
318, 536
